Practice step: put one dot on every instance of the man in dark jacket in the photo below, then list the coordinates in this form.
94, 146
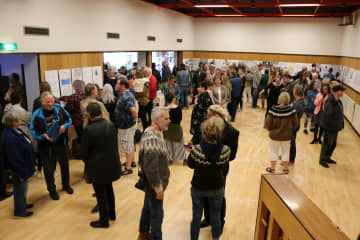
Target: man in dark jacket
332, 120
166, 72
299, 106
231, 139
156, 73
195, 82
99, 151
3, 193
52, 149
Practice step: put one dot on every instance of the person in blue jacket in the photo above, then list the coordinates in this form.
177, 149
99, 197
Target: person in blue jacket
53, 148
16, 153
310, 105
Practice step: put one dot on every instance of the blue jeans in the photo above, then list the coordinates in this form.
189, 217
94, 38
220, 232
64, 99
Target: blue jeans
184, 95
214, 199
255, 95
152, 217
20, 191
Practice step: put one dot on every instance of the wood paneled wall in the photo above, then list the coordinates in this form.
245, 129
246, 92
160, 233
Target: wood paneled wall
264, 57
53, 61
346, 61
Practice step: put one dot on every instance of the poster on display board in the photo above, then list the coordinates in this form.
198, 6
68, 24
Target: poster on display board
351, 77
76, 74
87, 74
97, 76
324, 69
52, 78
65, 82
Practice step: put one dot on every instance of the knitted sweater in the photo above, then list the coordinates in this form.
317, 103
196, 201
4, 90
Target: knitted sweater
153, 159
208, 162
281, 123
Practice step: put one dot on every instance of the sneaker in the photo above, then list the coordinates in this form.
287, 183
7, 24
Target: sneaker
127, 171
133, 165
144, 236
312, 129
69, 190
306, 131
314, 141
27, 214
54, 195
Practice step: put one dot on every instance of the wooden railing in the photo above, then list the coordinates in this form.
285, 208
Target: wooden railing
285, 213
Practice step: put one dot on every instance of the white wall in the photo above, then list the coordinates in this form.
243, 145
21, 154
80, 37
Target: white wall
316, 36
351, 45
81, 25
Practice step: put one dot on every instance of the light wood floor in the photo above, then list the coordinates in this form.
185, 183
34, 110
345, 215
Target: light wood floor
334, 190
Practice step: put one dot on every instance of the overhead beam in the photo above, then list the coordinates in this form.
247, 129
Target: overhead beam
203, 9
271, 15
188, 4
232, 7
317, 8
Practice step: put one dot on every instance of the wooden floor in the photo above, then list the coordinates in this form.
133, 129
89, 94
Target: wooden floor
334, 190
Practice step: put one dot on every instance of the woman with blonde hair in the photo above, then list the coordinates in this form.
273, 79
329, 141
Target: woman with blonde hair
208, 160
226, 82
220, 93
281, 122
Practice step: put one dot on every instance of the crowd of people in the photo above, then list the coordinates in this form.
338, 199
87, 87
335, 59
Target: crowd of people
106, 122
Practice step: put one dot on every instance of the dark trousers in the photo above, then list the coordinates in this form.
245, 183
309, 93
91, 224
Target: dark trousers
20, 191
57, 152
316, 131
255, 95
105, 200
142, 116
223, 205
152, 217
328, 146
149, 108
234, 105
214, 202
241, 97
2, 189
293, 148
184, 96
195, 92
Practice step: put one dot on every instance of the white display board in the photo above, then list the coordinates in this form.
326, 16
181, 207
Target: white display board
76, 74
351, 77
87, 73
65, 82
97, 76
356, 118
52, 78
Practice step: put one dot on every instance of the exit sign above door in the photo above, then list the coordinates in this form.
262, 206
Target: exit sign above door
8, 47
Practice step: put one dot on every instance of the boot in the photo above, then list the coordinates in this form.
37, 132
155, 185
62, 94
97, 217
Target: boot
143, 236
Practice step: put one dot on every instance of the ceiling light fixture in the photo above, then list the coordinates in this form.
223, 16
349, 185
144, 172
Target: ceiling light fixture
229, 15
301, 5
212, 6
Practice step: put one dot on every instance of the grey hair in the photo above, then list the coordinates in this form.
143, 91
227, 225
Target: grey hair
45, 95
157, 112
10, 117
147, 69
108, 94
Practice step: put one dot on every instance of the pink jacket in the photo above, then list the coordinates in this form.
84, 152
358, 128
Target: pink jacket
318, 102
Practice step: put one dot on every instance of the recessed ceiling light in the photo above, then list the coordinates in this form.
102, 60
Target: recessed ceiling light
301, 5
212, 6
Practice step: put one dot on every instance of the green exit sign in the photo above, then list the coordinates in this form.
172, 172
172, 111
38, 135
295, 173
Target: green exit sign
8, 46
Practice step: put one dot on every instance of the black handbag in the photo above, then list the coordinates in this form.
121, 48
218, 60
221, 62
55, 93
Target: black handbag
9, 177
140, 184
